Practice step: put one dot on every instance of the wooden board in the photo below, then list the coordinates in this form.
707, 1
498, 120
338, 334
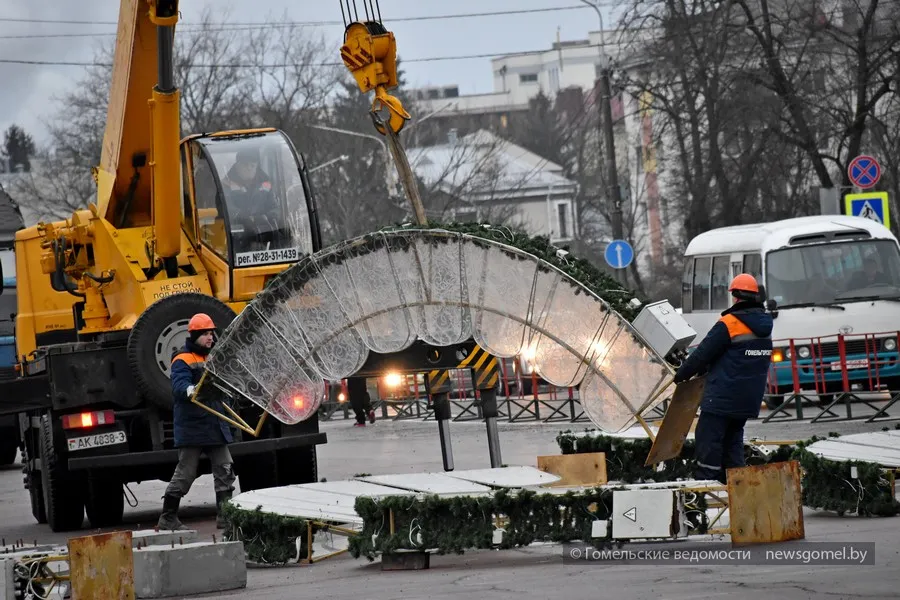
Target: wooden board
765, 503
507, 477
102, 566
587, 468
678, 422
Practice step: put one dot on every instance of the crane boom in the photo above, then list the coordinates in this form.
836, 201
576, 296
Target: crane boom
142, 80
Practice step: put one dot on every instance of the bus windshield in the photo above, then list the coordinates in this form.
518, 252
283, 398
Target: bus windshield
833, 273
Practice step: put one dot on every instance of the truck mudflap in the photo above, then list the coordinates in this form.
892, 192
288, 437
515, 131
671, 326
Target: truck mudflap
161, 457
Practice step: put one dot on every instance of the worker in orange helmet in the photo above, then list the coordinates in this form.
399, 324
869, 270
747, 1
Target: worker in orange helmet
736, 354
197, 431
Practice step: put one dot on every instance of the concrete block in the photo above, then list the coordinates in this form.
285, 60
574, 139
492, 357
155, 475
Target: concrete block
405, 561
7, 587
151, 537
194, 568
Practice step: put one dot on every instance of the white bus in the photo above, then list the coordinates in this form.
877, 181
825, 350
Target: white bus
828, 275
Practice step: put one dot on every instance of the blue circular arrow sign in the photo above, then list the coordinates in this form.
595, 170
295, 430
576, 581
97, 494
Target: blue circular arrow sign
619, 254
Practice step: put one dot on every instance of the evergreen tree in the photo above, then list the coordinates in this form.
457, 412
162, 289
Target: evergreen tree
18, 148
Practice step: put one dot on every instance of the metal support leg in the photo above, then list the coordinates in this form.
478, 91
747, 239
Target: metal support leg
441, 402
489, 410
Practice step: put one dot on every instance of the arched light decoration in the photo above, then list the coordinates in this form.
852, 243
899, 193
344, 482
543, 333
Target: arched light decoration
320, 319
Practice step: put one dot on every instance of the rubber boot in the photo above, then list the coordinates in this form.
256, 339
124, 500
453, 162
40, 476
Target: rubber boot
168, 520
221, 498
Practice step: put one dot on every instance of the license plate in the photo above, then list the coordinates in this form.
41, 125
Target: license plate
860, 363
98, 440
265, 257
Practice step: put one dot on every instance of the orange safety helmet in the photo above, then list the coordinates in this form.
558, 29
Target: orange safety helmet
201, 322
744, 283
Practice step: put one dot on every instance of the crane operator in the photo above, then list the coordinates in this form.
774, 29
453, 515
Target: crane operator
251, 202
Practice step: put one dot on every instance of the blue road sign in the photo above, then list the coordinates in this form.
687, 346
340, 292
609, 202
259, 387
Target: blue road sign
864, 171
869, 205
619, 254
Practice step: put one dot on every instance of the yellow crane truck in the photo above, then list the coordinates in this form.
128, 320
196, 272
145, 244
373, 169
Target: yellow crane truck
179, 226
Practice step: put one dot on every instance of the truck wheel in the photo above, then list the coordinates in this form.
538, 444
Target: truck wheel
160, 333
33, 482
105, 502
63, 492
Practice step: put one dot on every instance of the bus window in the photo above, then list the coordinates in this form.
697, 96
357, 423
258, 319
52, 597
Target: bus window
753, 266
720, 281
701, 285
687, 286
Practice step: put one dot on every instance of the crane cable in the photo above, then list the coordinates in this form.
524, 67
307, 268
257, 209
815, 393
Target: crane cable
372, 13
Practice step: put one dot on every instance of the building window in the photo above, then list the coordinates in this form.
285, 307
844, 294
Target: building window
563, 218
528, 78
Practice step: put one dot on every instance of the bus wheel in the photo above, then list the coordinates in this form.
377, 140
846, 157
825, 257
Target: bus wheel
774, 402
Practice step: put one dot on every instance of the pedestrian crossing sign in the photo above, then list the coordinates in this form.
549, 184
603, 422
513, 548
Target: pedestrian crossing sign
869, 205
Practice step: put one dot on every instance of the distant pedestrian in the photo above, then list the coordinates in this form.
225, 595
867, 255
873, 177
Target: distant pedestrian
360, 401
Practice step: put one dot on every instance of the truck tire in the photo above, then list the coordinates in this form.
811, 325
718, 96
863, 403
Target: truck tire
105, 501
63, 491
159, 333
33, 481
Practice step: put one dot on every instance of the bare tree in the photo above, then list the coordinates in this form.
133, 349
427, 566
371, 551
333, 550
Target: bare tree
851, 51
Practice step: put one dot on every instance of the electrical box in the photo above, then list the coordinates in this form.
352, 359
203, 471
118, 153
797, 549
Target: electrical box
663, 328
657, 514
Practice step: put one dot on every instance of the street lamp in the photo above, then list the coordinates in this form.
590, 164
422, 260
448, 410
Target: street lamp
340, 158
607, 129
388, 180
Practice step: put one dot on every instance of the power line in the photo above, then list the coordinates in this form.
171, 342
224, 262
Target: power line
610, 3
55, 63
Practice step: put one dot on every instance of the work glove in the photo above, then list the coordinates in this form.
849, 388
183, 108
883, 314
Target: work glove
190, 391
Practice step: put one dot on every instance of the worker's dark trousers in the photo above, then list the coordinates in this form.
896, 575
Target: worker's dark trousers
188, 463
719, 445
359, 399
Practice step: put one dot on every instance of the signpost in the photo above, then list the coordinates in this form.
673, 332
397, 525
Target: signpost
864, 172
619, 254
869, 205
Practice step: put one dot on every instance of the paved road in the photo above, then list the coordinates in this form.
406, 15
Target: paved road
397, 447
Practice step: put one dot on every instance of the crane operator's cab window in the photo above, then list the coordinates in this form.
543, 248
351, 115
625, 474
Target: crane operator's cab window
259, 191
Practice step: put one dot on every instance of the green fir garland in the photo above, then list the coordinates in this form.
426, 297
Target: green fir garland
455, 524
625, 457
579, 269
268, 538
827, 484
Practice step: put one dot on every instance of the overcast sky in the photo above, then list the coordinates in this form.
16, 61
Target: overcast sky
27, 92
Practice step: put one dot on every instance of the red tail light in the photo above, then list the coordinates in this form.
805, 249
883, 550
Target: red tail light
298, 402
86, 420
